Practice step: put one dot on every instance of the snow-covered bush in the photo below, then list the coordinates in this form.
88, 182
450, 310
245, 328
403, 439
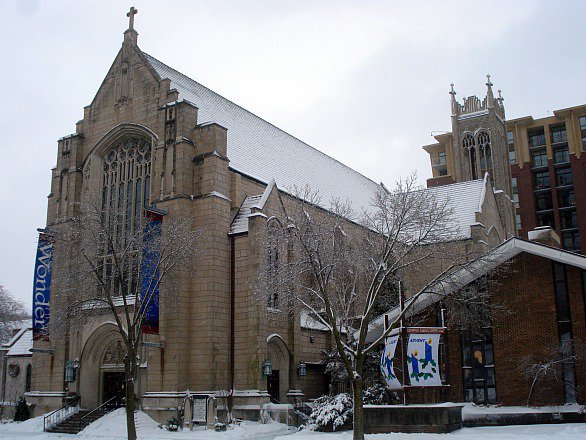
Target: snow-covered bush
379, 394
332, 413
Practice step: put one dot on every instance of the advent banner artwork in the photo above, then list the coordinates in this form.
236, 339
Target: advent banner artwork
422, 359
386, 363
149, 272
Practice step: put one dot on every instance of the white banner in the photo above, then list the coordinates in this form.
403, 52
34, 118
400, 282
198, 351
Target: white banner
386, 363
423, 360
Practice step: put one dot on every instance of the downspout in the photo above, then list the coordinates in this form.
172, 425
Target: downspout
232, 312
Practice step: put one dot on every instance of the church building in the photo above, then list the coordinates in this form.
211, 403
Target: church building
153, 137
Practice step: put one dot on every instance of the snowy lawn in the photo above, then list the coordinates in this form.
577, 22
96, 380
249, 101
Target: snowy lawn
113, 426
570, 431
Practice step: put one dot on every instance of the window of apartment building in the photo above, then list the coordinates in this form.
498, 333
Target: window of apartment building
558, 134
518, 221
566, 198
583, 129
564, 177
511, 146
568, 219
546, 218
478, 366
565, 330
515, 191
536, 137
538, 158
543, 200
571, 241
542, 180
441, 158
561, 154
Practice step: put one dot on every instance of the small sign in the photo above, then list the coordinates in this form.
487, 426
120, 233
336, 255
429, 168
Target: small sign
426, 330
199, 409
153, 344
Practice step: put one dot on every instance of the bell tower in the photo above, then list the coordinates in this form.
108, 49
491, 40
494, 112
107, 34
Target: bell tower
479, 147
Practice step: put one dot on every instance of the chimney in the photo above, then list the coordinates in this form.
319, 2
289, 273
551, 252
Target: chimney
545, 235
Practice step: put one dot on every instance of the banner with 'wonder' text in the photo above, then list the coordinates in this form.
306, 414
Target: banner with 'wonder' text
42, 288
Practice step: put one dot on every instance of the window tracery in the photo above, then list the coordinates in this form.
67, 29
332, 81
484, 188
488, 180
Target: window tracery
126, 181
470, 146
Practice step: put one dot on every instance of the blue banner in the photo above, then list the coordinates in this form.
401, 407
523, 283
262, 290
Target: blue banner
149, 274
42, 288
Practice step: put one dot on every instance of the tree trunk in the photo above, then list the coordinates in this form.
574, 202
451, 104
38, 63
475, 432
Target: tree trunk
358, 385
130, 365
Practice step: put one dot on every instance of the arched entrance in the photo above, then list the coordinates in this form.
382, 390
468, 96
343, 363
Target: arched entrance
101, 375
278, 380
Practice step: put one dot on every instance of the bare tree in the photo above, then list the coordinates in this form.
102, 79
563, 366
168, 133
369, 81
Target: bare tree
546, 369
11, 310
341, 272
116, 263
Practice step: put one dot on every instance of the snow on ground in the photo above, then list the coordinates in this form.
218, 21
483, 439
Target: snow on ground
570, 431
113, 426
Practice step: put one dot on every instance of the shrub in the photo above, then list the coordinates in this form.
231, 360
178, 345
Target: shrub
333, 413
21, 412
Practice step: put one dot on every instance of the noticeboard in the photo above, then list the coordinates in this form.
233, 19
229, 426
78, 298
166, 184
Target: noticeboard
199, 409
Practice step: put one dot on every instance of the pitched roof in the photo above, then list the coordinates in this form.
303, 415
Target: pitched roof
260, 150
477, 268
466, 199
240, 223
20, 344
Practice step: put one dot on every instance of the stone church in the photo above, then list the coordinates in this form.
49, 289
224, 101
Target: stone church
189, 151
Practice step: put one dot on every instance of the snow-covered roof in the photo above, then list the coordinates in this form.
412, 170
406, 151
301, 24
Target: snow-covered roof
466, 199
480, 267
20, 344
260, 150
240, 223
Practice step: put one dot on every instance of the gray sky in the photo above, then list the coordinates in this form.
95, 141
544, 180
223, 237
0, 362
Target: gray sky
364, 81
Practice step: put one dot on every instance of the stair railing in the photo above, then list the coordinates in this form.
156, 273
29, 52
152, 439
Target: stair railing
100, 410
60, 414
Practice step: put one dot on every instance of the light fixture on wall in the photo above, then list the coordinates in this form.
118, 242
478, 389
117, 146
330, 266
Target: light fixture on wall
267, 368
302, 369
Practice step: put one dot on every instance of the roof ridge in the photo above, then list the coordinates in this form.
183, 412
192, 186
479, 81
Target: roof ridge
258, 117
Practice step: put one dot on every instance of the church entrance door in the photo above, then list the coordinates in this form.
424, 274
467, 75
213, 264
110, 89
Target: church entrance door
114, 387
273, 386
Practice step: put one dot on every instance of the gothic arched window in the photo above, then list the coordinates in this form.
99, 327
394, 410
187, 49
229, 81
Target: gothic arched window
126, 182
470, 147
273, 263
483, 142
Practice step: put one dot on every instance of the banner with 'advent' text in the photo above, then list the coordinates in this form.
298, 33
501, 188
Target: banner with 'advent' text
423, 360
386, 363
149, 272
42, 288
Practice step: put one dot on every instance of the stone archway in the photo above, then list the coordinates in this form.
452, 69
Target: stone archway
102, 352
278, 355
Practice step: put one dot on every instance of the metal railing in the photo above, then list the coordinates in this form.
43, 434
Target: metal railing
101, 410
60, 414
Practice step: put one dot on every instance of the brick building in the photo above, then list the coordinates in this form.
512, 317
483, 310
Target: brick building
546, 181
538, 318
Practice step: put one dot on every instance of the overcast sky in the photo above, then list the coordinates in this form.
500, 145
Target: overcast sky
364, 81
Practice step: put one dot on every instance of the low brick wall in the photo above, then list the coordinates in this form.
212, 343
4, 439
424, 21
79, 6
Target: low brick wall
412, 418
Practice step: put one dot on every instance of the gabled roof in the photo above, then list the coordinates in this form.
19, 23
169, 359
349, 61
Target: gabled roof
260, 150
20, 344
466, 199
478, 268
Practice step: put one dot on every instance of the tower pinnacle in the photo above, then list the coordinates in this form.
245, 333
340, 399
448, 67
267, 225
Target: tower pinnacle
489, 94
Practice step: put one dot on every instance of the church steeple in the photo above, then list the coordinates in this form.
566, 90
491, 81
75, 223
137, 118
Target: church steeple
130, 35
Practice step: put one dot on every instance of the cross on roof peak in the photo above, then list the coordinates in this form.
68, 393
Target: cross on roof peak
130, 16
